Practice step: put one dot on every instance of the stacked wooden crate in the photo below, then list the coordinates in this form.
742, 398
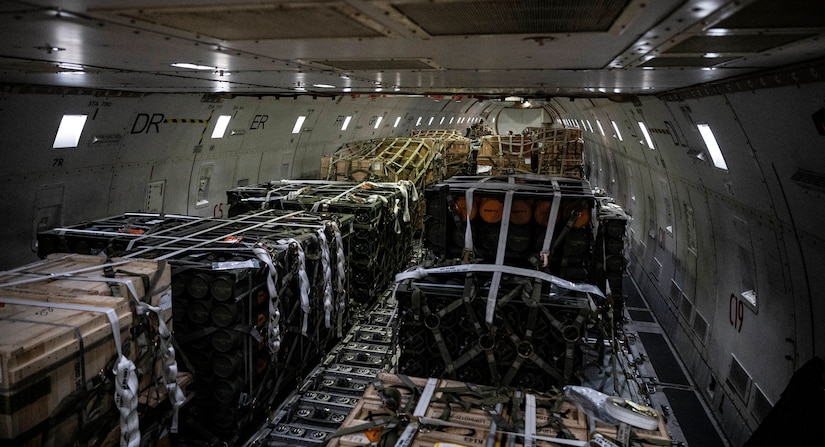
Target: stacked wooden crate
428, 403
384, 160
540, 150
506, 154
454, 149
63, 324
479, 130
560, 152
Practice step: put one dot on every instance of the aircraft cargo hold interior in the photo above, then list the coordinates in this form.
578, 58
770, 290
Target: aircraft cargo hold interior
411, 223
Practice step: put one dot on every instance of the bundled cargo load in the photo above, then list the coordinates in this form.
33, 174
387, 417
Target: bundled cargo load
538, 150
422, 159
456, 152
85, 342
256, 298
386, 216
495, 325
515, 286
610, 257
479, 130
417, 160
522, 220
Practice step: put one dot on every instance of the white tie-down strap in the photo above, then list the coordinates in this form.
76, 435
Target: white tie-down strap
167, 350
322, 241
340, 274
408, 193
293, 195
126, 382
126, 401
316, 207
303, 283
274, 324
420, 272
170, 370
468, 229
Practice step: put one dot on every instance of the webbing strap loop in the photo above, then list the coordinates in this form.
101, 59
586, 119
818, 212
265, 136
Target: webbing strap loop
502, 247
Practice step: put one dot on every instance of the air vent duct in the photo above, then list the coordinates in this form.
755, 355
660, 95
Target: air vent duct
738, 379
809, 179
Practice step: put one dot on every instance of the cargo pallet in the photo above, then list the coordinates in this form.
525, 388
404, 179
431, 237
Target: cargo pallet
257, 300
539, 150
384, 225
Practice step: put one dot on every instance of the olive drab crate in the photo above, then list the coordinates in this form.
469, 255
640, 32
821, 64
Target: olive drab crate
313, 413
386, 216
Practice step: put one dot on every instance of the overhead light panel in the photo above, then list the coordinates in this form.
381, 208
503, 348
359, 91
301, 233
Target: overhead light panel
599, 124
378, 122
346, 122
194, 66
397, 120
323, 85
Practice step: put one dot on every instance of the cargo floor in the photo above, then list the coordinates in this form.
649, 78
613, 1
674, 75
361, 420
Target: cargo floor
690, 421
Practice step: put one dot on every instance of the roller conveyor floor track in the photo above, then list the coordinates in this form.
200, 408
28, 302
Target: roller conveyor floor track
310, 415
690, 422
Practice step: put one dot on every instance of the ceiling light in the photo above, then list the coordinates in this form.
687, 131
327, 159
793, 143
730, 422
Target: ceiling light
68, 66
50, 49
323, 85
193, 66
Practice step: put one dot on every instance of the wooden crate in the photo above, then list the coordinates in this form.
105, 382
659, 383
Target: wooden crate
91, 279
463, 427
656, 437
503, 165
47, 352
